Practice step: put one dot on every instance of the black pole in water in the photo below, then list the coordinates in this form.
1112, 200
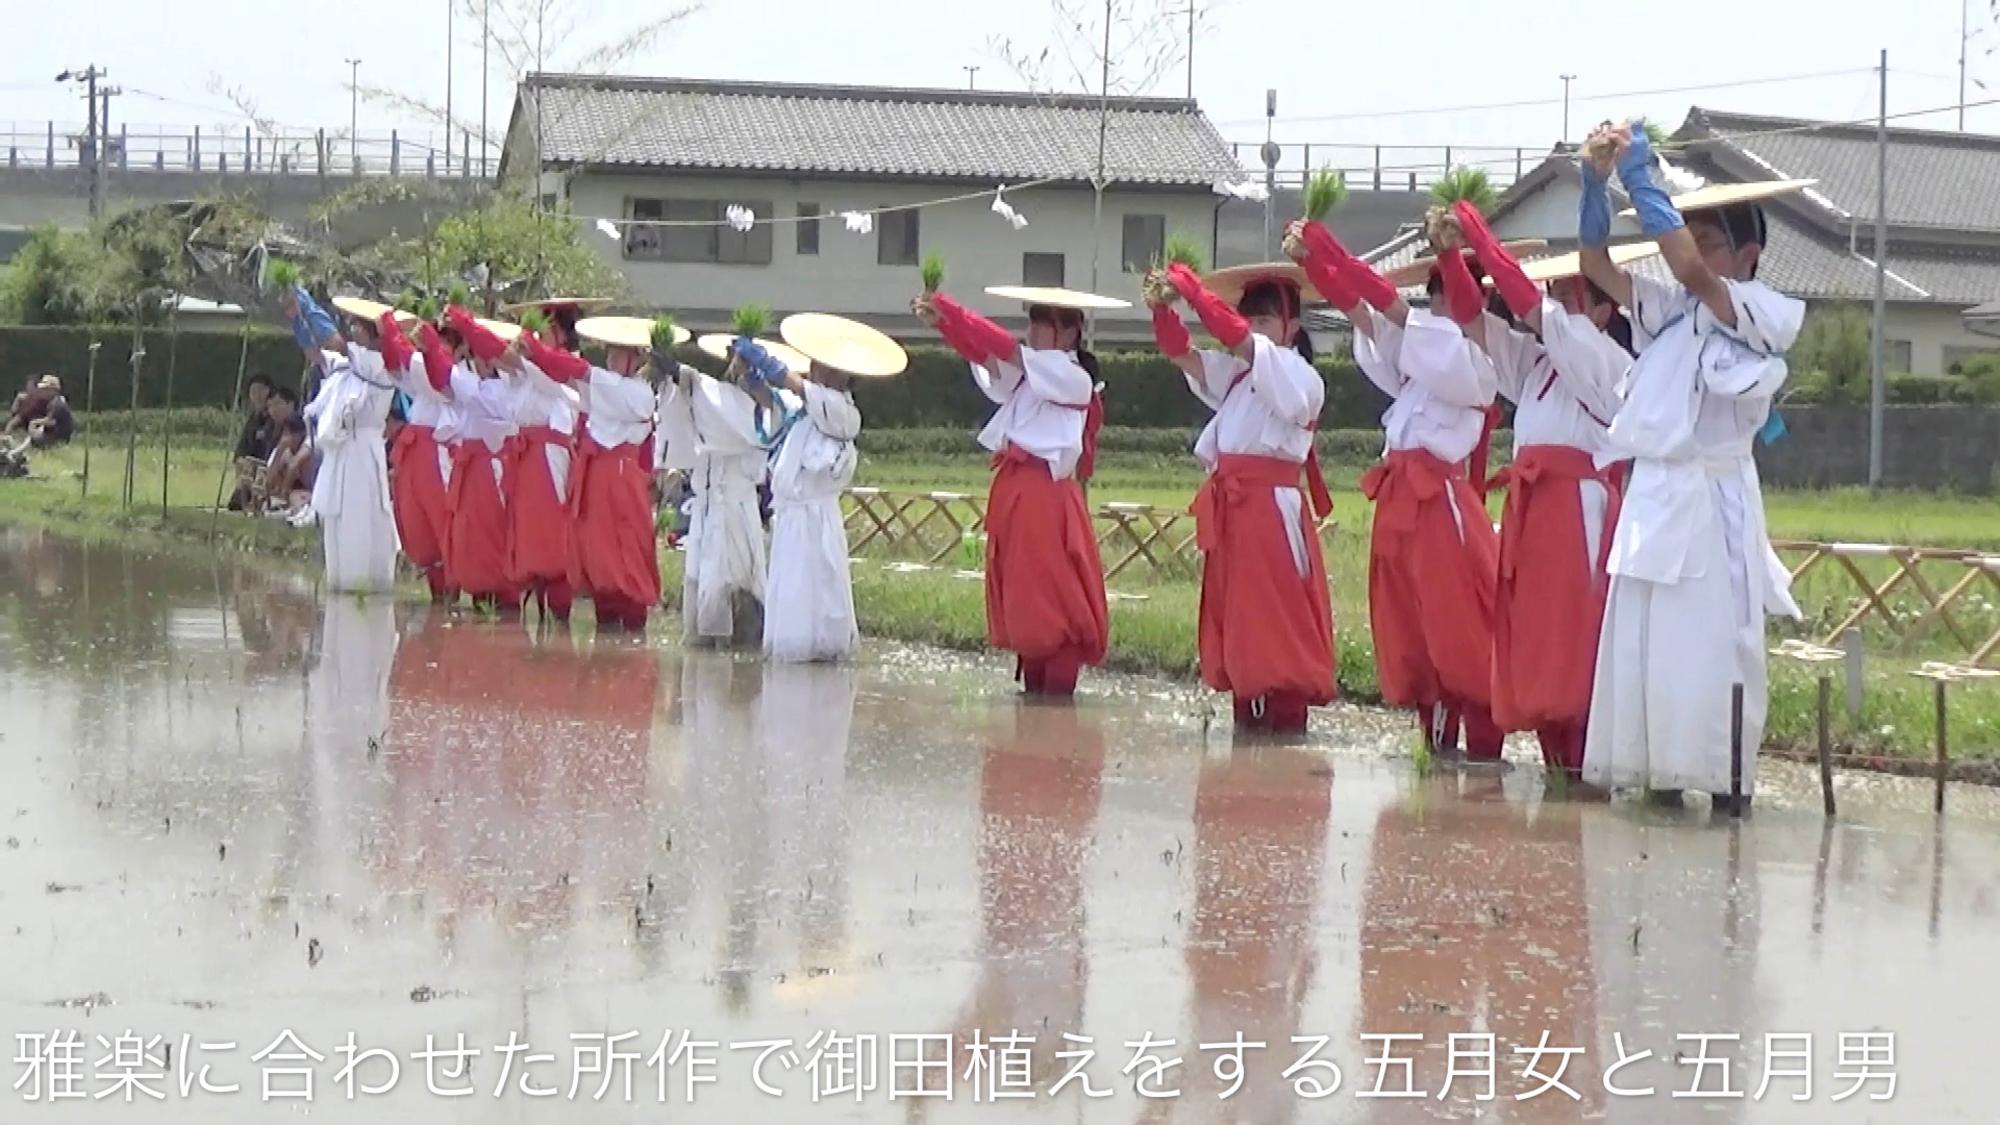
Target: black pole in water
1941, 744
1736, 750
1826, 742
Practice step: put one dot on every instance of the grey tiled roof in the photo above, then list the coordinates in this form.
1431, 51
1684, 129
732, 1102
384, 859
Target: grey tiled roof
876, 131
1937, 179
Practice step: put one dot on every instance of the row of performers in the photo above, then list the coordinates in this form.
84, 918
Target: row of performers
1619, 605
525, 471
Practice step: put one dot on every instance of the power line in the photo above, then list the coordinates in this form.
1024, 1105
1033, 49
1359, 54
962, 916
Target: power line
1532, 103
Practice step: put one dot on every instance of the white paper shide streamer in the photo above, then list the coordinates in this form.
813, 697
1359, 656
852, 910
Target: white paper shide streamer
741, 218
1006, 210
858, 222
608, 229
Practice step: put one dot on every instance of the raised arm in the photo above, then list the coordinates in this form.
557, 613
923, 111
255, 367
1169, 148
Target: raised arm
1593, 218
1661, 222
557, 364
1343, 279
1172, 337
977, 339
438, 360
1228, 326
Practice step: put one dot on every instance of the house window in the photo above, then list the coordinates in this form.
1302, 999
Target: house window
1956, 356
1042, 269
896, 238
808, 233
1145, 241
713, 242
1896, 357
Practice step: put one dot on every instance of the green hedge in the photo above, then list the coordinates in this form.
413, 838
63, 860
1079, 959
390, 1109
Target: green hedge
204, 363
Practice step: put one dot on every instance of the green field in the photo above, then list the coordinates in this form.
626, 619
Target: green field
1153, 631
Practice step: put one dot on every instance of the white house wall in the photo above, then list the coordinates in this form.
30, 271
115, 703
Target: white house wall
979, 247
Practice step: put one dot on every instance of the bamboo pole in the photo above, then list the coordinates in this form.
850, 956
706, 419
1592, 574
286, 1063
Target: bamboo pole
235, 407
89, 411
167, 422
132, 434
1826, 743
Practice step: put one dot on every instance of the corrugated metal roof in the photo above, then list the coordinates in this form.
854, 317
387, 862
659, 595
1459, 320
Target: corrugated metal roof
873, 131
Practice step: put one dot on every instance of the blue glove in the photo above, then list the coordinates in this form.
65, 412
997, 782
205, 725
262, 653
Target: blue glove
1640, 175
1593, 213
1774, 428
312, 325
760, 367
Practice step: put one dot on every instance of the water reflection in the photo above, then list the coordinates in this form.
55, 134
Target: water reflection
254, 800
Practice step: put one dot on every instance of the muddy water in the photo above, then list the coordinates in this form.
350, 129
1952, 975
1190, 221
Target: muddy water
234, 816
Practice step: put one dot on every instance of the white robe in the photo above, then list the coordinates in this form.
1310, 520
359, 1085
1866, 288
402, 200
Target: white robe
1042, 403
1271, 412
1564, 387
1693, 573
351, 491
710, 432
809, 602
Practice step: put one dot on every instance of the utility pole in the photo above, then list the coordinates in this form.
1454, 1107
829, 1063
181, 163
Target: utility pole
1103, 134
971, 77
485, 69
354, 113
449, 5
1567, 79
1876, 381
88, 155
101, 171
1271, 152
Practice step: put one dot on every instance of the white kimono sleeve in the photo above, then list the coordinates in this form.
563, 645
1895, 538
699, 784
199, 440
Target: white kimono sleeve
675, 440
1655, 305
1748, 360
1437, 356
1286, 395
1379, 351
1518, 358
1590, 364
998, 382
832, 413
1219, 371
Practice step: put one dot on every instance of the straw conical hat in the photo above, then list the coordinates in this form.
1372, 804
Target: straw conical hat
1571, 264
1229, 284
1056, 297
843, 344
624, 331
1415, 273
362, 308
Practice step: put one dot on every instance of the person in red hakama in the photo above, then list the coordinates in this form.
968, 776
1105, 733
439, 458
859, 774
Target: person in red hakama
1266, 626
481, 421
1561, 363
1433, 552
539, 551
420, 467
615, 559
1044, 580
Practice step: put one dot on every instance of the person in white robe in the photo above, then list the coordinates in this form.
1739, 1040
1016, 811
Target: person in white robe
351, 491
710, 431
1693, 573
809, 600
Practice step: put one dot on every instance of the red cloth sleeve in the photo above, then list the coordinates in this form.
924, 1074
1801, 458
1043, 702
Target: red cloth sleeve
1224, 323
1522, 296
1360, 277
483, 344
437, 356
1170, 333
1322, 264
973, 336
396, 350
557, 364
1462, 296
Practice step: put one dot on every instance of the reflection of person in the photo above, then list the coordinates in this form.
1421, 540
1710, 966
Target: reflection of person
1039, 794
1266, 630
805, 806
1475, 921
1693, 573
1260, 841
1045, 597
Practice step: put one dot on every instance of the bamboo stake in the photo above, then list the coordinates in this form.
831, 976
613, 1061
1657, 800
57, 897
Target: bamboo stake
89, 410
167, 423
132, 435
235, 407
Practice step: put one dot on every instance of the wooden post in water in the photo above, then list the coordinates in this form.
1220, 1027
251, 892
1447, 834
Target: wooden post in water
235, 408
1826, 742
1942, 750
90, 413
167, 419
1736, 750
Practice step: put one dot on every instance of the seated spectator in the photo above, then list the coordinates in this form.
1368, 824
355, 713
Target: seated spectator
43, 414
259, 433
294, 463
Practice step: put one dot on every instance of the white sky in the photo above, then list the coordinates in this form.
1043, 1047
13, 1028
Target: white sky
1340, 78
